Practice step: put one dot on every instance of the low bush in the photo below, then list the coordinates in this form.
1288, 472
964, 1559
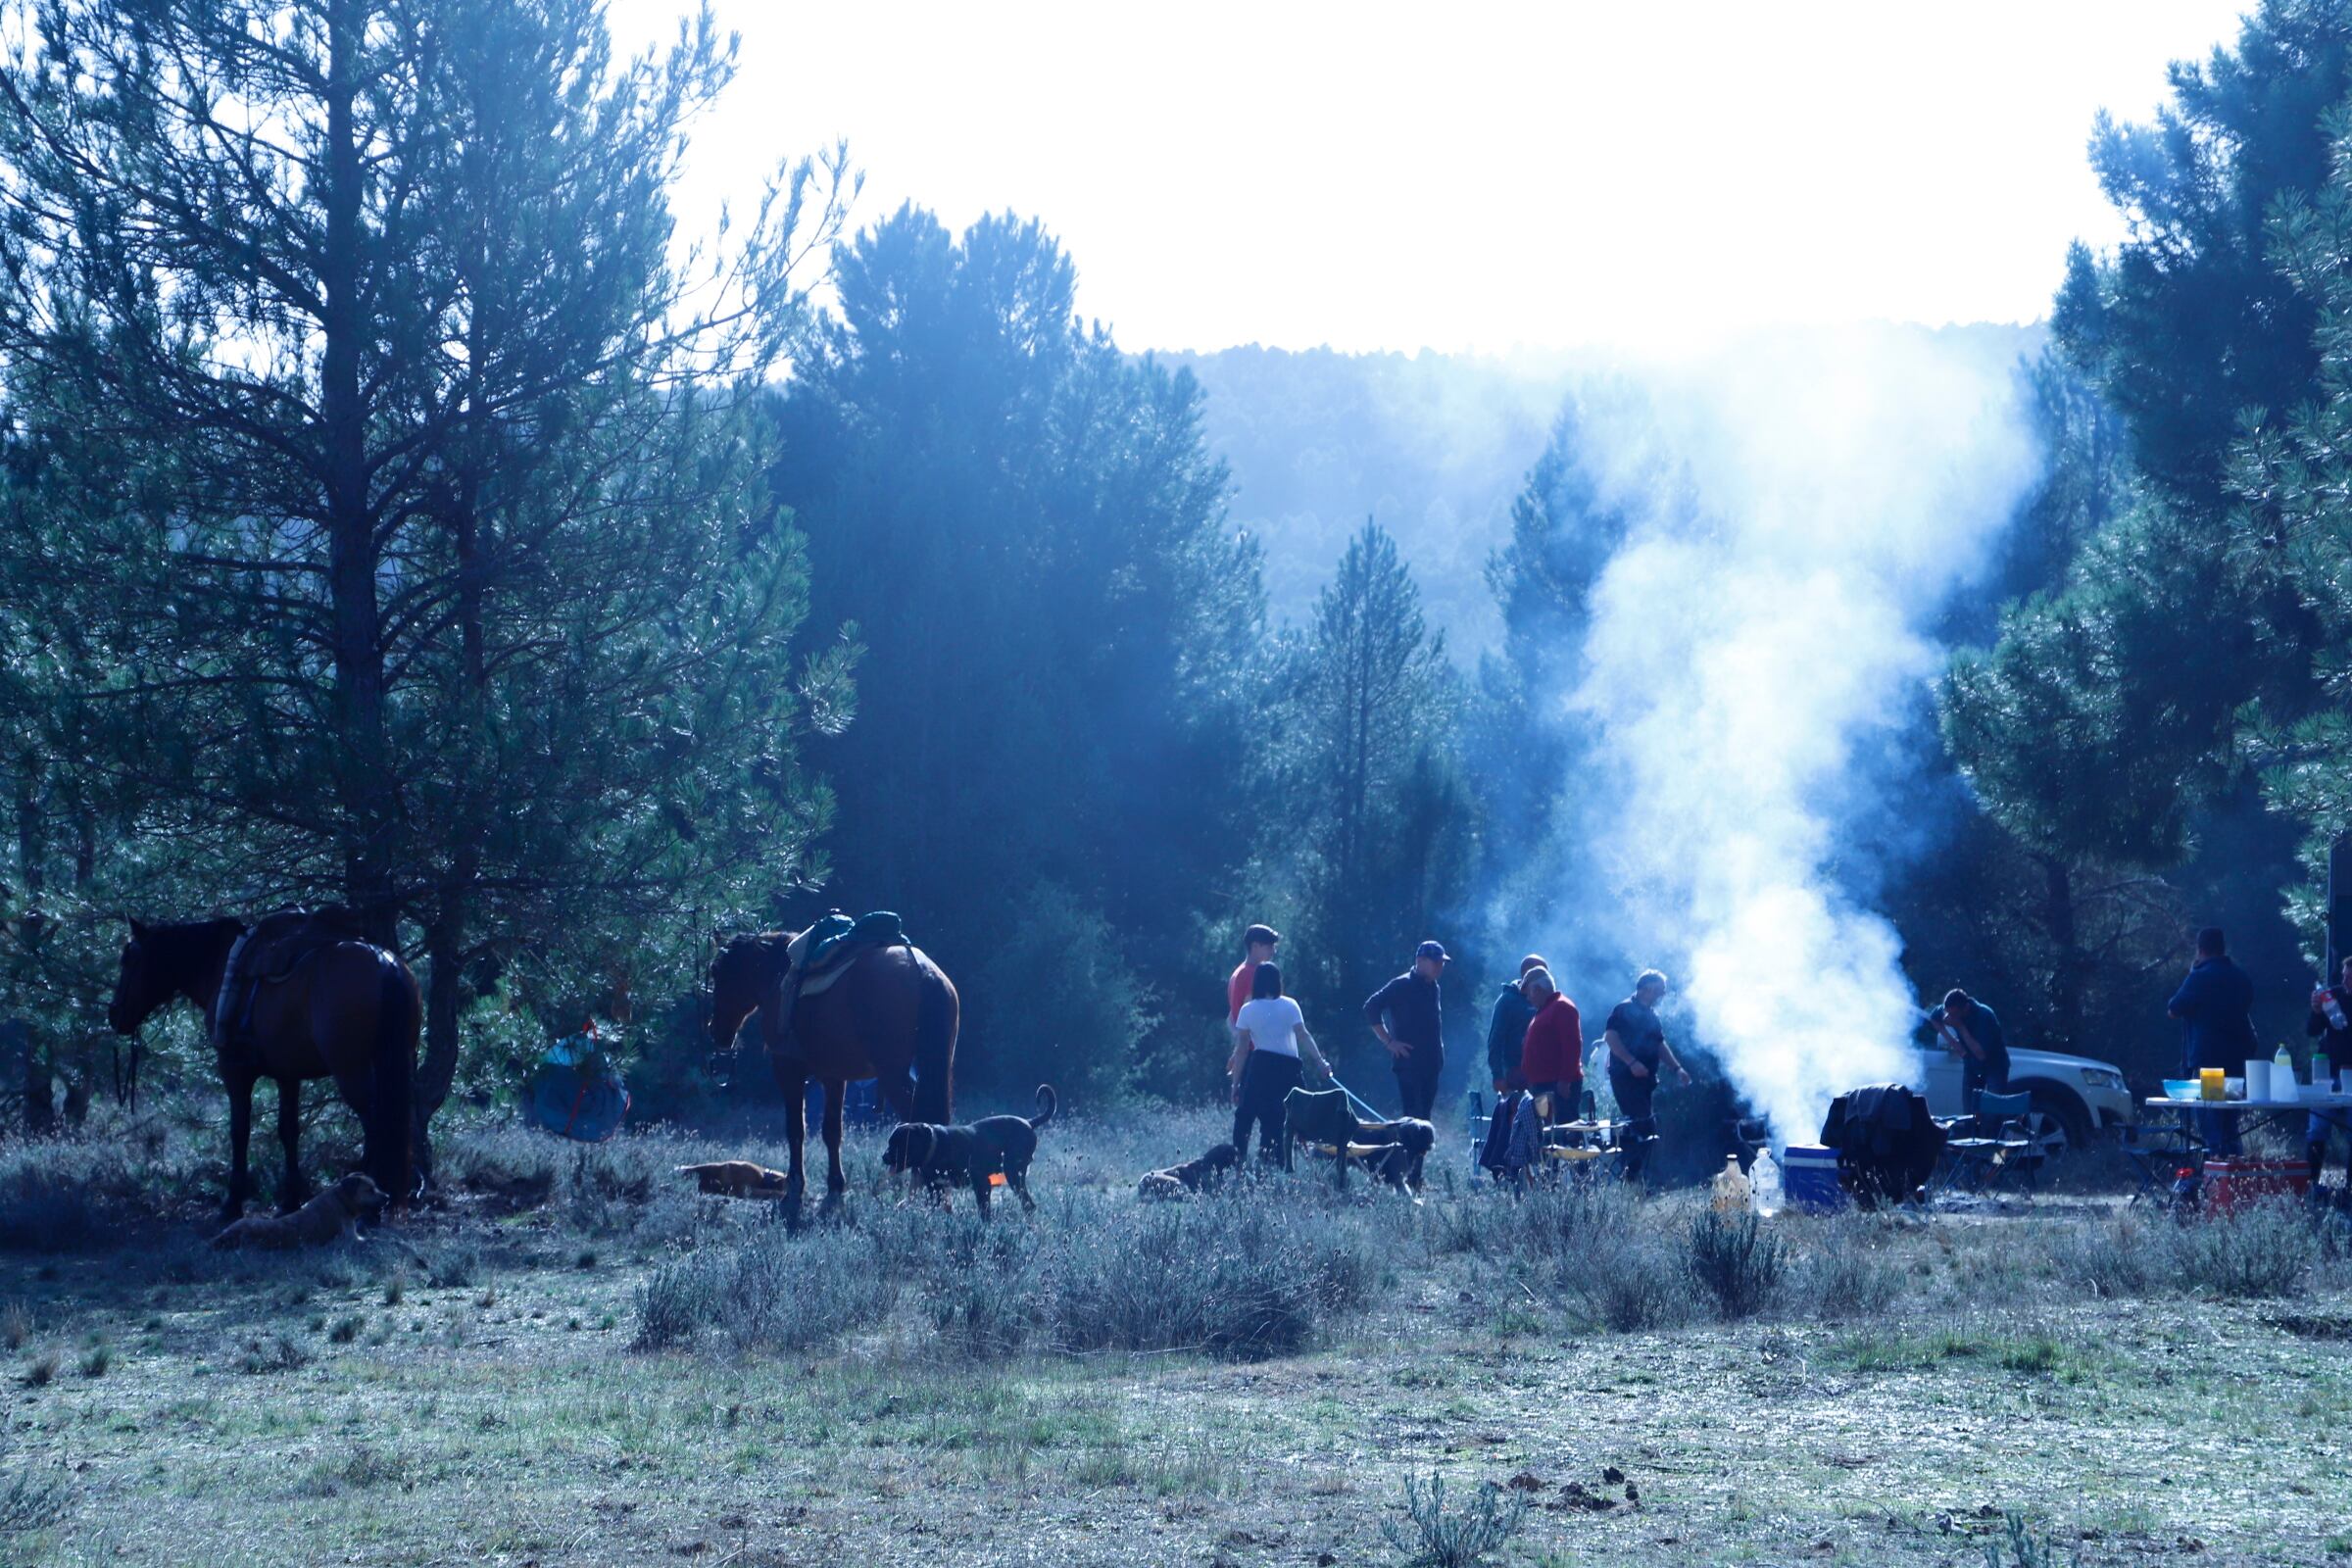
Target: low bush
2264, 1251
1736, 1260
273, 1353
48, 1211
1846, 1274
777, 1296
1435, 1537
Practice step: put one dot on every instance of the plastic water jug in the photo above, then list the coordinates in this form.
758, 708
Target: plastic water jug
2282, 1074
1764, 1183
1730, 1187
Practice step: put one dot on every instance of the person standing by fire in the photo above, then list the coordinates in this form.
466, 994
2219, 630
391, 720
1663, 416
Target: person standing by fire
1507, 1029
1638, 1054
1970, 1031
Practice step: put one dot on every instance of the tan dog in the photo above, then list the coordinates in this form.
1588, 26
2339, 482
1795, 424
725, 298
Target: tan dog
329, 1217
736, 1178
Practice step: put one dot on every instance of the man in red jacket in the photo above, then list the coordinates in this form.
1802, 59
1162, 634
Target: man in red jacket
1553, 1060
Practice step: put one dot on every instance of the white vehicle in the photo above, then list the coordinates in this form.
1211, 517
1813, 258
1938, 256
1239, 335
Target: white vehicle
2075, 1098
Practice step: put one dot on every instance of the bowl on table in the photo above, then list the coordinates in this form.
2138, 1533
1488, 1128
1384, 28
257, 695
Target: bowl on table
2183, 1089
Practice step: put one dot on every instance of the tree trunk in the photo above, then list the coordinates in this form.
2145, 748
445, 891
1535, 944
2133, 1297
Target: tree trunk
352, 558
2067, 961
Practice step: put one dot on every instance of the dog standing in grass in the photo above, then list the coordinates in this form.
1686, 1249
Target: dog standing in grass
992, 1146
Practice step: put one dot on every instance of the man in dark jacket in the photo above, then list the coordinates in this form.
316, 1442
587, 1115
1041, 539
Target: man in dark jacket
1404, 1014
1970, 1030
1507, 1029
2215, 1009
1638, 1054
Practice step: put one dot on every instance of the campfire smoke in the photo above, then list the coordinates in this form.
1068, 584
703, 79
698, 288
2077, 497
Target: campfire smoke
1798, 510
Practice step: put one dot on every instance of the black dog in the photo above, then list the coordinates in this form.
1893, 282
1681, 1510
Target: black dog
1323, 1116
1193, 1176
991, 1146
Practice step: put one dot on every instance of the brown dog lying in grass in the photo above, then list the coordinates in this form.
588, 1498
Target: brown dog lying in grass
1193, 1176
736, 1178
332, 1216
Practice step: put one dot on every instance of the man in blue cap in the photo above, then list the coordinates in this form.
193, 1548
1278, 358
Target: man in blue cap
1404, 1014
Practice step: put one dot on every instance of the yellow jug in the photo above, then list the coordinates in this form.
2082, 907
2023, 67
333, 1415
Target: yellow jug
2212, 1081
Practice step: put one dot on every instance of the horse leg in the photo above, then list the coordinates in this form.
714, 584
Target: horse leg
240, 1133
796, 1134
836, 1183
294, 1190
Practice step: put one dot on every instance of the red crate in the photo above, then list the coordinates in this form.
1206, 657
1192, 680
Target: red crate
2235, 1183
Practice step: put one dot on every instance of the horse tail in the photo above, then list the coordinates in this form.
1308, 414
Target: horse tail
1046, 1103
936, 1020
399, 1015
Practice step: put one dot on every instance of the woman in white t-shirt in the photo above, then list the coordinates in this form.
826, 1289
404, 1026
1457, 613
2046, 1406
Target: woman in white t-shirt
1270, 1037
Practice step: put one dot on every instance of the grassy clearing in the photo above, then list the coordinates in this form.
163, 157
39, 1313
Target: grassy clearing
581, 1361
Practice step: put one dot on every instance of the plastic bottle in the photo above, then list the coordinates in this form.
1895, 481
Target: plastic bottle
2282, 1074
1730, 1187
2333, 1009
2322, 1073
1764, 1183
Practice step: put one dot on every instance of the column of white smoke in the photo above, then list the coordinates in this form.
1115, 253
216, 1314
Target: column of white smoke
1821, 497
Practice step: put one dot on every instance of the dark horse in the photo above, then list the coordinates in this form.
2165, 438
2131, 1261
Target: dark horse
349, 1011
891, 1016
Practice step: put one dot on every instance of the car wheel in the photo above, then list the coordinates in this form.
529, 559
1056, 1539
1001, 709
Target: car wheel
2059, 1122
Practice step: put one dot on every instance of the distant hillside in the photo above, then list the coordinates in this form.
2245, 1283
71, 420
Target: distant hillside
1433, 446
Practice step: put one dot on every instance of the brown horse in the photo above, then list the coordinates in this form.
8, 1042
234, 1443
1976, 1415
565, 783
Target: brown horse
892, 1016
349, 1011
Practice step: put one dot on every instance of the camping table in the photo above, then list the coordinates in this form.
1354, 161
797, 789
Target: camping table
2335, 1108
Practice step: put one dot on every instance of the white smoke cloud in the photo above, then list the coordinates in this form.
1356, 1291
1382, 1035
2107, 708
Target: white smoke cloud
1803, 507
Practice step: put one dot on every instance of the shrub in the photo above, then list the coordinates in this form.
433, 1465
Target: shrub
779, 1298
1634, 1286
31, 1502
1846, 1275
2266, 1250
1242, 1282
2117, 1260
675, 1303
452, 1268
1736, 1260
1433, 1537
276, 1354
46, 1211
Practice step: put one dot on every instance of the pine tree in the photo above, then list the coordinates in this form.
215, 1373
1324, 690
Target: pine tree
423, 513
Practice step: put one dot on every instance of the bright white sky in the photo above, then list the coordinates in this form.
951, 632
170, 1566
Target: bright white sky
1472, 177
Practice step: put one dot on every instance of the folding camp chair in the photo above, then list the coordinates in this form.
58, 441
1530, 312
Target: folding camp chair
1996, 1145
2158, 1156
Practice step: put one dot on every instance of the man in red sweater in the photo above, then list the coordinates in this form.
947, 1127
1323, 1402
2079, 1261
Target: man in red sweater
1552, 1061
1257, 946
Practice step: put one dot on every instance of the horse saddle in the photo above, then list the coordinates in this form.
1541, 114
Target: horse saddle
272, 949
823, 953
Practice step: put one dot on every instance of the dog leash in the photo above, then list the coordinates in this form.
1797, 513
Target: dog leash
1355, 1099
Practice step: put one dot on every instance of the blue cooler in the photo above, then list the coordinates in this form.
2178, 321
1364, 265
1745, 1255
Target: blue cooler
1809, 1179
